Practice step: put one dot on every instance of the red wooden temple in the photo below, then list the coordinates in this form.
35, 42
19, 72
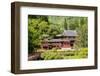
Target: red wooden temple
65, 40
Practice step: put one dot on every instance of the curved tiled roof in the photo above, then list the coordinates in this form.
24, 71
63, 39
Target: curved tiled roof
69, 33
66, 33
58, 40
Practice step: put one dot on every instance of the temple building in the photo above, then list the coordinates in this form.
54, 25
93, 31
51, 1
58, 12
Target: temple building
65, 40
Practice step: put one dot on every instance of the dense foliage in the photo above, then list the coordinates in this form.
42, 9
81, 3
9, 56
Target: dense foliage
41, 26
55, 54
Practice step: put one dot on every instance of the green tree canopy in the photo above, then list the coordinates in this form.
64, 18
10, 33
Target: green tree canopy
38, 26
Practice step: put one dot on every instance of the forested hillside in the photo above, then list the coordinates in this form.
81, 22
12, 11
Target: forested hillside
40, 26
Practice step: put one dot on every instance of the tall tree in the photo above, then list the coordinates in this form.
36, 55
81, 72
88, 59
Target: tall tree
38, 26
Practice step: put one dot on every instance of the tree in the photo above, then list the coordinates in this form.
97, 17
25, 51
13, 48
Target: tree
82, 30
40, 26
36, 28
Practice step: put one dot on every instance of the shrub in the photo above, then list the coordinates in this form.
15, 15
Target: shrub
48, 55
54, 54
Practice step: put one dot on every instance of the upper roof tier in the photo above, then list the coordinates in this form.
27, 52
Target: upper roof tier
68, 33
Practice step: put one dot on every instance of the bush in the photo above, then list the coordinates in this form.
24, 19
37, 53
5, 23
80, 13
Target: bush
48, 55
54, 54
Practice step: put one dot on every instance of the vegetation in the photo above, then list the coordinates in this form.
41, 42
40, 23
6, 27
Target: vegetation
40, 26
54, 54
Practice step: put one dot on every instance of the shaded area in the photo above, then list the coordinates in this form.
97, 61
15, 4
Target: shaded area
35, 56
